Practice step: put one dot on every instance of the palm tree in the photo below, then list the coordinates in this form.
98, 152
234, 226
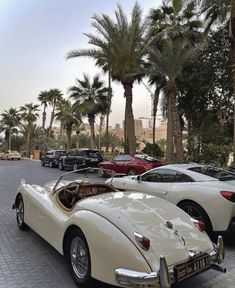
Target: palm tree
44, 98
220, 10
90, 99
120, 47
10, 120
70, 119
54, 96
78, 127
102, 56
29, 115
174, 30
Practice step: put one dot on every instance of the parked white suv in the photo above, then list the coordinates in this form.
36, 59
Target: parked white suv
11, 155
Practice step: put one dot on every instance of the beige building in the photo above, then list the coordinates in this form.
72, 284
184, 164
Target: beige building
142, 134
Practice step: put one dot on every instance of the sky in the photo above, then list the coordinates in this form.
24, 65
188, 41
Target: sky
35, 37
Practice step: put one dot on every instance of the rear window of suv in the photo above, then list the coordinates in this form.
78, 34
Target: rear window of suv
92, 154
60, 153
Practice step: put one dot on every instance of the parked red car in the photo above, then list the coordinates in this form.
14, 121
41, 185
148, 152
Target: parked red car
129, 165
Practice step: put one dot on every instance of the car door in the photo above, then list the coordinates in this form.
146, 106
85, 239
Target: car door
157, 182
43, 215
182, 187
120, 164
47, 157
69, 159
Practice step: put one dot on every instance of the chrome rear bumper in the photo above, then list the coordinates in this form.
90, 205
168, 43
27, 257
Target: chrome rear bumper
164, 278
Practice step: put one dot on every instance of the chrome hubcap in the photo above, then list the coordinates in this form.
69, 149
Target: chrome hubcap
79, 257
20, 212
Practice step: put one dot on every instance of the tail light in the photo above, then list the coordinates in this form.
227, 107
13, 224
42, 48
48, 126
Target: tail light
143, 241
199, 224
228, 195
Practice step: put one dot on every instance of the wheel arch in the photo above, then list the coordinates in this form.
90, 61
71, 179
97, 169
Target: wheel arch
101, 237
19, 194
196, 203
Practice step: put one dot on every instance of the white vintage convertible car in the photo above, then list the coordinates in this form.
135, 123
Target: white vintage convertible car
206, 193
123, 239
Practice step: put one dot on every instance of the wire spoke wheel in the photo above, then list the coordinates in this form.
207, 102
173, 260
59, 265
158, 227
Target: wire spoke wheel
79, 257
20, 212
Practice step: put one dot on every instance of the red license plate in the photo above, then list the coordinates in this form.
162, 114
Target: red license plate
192, 267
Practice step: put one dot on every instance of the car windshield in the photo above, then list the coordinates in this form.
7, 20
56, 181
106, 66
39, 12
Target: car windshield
81, 176
60, 153
146, 158
214, 172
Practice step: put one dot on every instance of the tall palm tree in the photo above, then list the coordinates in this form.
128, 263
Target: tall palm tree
44, 98
29, 113
90, 99
66, 115
120, 45
10, 120
54, 96
102, 56
221, 10
174, 30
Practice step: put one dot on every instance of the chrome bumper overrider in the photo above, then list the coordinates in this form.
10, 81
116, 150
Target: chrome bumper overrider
165, 277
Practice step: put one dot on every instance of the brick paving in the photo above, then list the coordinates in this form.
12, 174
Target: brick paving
27, 261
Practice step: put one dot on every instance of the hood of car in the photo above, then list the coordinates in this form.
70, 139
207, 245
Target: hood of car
147, 215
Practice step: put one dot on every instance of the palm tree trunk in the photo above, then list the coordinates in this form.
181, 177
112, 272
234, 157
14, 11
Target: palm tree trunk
44, 117
91, 119
129, 130
28, 139
232, 35
68, 134
177, 134
170, 93
155, 104
78, 139
108, 112
100, 129
9, 139
6, 140
52, 118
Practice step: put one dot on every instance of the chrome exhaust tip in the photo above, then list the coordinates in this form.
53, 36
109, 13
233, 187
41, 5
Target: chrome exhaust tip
219, 268
220, 247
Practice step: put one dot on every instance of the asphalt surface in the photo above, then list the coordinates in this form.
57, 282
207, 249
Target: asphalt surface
27, 261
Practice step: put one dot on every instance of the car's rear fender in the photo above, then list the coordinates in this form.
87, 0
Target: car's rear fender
219, 210
103, 239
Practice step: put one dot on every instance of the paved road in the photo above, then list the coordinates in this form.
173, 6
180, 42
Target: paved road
27, 261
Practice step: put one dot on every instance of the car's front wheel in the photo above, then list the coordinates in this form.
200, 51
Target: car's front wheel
20, 213
78, 257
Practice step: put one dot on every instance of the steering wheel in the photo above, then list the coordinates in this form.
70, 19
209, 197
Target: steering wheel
74, 194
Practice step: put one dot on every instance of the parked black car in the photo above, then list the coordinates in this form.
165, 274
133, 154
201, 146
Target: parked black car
52, 158
92, 156
72, 161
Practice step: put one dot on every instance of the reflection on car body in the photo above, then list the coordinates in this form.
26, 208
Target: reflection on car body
143, 241
197, 189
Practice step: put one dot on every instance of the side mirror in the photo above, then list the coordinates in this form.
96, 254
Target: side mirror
138, 178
